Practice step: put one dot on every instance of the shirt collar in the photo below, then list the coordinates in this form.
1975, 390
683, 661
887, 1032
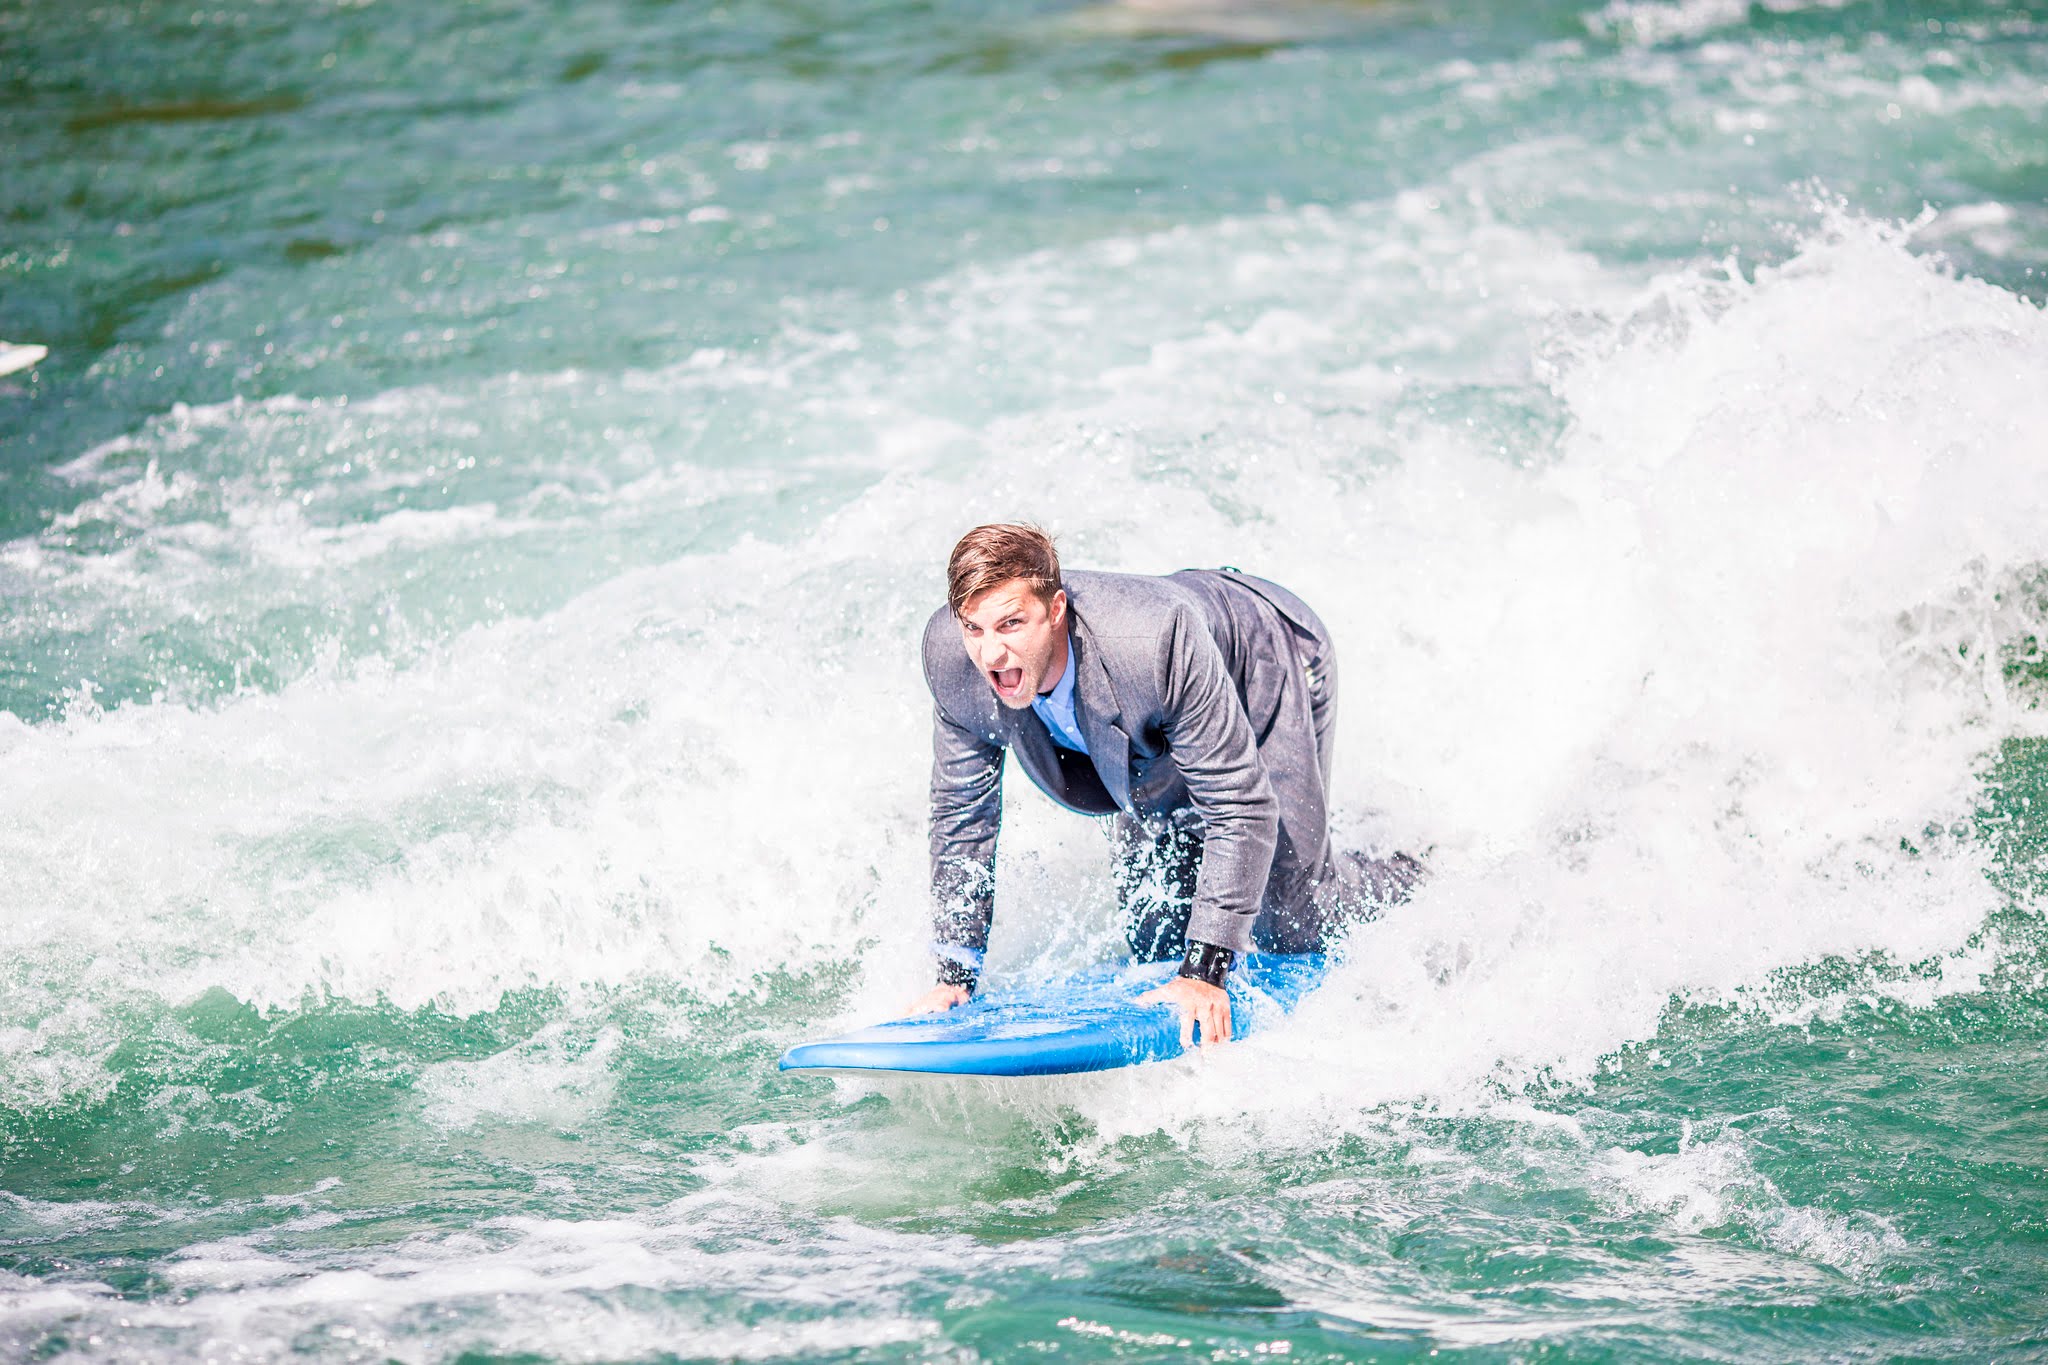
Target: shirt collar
1062, 694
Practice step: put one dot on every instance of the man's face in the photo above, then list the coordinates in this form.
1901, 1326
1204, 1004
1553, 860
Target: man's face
1016, 638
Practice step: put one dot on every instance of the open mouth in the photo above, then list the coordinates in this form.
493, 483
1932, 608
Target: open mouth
1008, 680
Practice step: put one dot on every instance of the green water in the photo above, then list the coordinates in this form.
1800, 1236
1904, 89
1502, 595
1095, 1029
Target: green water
460, 573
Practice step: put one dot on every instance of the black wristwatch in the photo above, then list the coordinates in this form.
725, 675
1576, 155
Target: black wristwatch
953, 972
1206, 962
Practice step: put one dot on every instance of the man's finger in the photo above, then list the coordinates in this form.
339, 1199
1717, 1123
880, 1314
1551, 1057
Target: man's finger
1215, 1024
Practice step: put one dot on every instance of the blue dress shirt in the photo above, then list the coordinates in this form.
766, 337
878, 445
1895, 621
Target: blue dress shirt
1056, 709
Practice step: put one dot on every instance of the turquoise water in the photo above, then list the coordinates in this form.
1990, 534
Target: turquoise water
459, 720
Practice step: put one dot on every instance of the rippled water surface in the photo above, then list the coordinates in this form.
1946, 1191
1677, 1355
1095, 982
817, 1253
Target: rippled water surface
460, 571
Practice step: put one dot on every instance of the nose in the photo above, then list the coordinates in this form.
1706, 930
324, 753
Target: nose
994, 655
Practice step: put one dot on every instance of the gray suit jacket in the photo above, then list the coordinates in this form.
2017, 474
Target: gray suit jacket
1209, 690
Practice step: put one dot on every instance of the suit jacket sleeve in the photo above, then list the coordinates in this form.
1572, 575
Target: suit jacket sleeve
966, 814
1212, 745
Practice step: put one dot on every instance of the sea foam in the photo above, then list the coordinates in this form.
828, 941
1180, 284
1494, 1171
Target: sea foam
1662, 671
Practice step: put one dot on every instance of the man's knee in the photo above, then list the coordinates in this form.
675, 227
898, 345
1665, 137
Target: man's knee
1355, 890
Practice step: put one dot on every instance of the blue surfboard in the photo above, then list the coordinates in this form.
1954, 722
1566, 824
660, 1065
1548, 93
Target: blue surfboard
1088, 1022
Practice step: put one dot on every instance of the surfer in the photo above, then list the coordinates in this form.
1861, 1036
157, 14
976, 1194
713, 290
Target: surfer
1197, 710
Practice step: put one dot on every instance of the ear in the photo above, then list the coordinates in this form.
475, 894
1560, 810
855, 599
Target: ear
1059, 607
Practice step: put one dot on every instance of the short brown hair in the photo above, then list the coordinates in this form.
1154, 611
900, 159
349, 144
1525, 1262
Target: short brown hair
991, 555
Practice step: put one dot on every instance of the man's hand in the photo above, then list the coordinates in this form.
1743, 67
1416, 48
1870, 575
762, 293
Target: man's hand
939, 999
1200, 1004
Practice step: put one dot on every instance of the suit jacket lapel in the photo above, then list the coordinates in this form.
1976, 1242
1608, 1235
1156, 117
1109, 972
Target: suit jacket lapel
1096, 711
1032, 744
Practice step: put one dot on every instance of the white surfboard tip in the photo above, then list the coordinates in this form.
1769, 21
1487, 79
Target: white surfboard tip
19, 355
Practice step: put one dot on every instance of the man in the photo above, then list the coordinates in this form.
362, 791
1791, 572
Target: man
1198, 709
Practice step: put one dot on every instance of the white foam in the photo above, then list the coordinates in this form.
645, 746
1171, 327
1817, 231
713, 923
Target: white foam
1663, 21
697, 1270
549, 1078
1664, 697
1712, 1186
